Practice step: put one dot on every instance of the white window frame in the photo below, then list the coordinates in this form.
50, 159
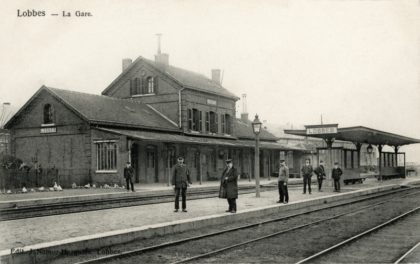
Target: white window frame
106, 158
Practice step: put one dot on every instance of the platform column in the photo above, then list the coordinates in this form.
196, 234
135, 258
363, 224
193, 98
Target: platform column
329, 142
380, 162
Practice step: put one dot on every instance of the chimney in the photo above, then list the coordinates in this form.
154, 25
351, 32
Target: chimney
126, 63
161, 59
244, 114
215, 75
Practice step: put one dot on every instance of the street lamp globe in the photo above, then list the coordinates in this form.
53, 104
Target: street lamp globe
256, 125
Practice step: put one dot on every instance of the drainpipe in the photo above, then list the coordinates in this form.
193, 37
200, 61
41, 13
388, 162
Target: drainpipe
179, 107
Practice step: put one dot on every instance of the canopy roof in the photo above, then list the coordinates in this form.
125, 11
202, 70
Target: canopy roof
176, 138
361, 134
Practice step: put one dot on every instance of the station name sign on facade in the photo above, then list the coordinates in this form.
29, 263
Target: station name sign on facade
321, 129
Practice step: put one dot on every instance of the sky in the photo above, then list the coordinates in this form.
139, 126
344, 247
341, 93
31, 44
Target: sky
355, 62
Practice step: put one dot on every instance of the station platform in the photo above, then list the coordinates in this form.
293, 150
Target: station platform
94, 229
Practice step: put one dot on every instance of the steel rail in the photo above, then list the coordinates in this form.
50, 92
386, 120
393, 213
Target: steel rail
358, 236
180, 241
406, 254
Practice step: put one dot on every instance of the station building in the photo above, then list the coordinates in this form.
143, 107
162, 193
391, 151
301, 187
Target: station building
151, 113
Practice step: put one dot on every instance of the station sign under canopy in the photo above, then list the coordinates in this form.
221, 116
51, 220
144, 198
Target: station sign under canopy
327, 129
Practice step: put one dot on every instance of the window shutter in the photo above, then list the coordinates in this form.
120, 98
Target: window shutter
143, 88
216, 123
200, 121
155, 85
132, 87
223, 123
138, 91
189, 119
207, 122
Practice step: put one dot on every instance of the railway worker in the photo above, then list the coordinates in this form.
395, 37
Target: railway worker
307, 171
128, 175
336, 174
180, 181
229, 185
320, 174
282, 182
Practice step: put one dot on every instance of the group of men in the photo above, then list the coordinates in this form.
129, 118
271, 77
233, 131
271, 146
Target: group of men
229, 181
307, 172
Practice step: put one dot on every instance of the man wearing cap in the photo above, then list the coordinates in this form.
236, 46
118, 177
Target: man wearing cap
320, 174
307, 175
282, 182
229, 185
128, 175
336, 174
180, 181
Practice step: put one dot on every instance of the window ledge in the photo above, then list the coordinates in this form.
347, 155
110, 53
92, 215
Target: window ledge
142, 95
106, 171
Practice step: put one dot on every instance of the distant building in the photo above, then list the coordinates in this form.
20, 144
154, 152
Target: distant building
151, 113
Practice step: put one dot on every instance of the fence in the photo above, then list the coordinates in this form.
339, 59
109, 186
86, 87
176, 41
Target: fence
16, 179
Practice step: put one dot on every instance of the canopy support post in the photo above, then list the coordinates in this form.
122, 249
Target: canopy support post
380, 161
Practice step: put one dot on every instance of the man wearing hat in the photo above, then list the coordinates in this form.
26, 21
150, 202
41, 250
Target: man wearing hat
180, 181
229, 186
307, 175
282, 182
128, 175
320, 174
336, 174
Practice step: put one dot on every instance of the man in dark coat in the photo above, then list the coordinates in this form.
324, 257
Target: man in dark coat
128, 175
307, 175
336, 174
180, 181
320, 174
229, 186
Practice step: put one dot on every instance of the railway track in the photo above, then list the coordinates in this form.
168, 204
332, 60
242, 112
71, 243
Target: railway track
250, 230
15, 213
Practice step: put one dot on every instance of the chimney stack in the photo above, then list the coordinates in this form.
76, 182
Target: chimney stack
215, 75
161, 59
244, 114
126, 63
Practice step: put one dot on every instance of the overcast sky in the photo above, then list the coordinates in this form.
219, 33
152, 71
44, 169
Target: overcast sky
355, 62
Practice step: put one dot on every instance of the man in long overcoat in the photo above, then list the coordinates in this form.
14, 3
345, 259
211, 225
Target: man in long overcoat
180, 181
229, 185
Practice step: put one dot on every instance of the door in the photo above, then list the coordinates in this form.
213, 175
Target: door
151, 164
135, 162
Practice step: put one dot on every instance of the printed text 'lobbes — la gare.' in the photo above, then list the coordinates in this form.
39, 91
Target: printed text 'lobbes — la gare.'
43, 13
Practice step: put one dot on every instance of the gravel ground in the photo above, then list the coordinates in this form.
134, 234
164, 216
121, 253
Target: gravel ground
241, 255
384, 246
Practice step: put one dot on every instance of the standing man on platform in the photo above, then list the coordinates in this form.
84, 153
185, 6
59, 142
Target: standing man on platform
307, 175
229, 186
282, 183
336, 174
320, 174
128, 175
181, 180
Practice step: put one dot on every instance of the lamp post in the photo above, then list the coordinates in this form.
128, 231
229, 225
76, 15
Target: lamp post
256, 127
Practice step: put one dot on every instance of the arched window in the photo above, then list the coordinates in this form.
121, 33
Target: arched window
150, 85
48, 114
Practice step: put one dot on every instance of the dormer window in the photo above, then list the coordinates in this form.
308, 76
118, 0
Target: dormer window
143, 86
48, 114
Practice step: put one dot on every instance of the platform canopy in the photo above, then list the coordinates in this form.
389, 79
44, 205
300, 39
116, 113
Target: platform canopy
357, 134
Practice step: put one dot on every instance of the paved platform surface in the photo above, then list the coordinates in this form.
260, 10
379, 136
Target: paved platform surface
23, 232
139, 188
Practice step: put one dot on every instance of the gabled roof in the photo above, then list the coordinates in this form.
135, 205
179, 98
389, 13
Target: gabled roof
185, 78
105, 110
243, 130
